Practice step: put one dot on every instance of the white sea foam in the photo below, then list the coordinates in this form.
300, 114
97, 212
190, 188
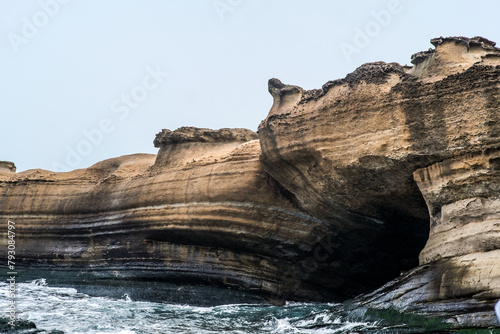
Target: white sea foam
66, 309
39, 281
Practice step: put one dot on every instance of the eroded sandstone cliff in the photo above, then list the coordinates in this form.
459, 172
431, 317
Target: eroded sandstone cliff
390, 169
377, 141
200, 212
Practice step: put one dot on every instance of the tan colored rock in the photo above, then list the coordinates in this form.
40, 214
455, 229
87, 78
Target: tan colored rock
358, 139
362, 144
463, 196
334, 199
201, 212
453, 55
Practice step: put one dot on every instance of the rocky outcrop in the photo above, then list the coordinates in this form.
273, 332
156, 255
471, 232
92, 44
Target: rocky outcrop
200, 212
390, 142
392, 169
7, 167
189, 134
459, 273
203, 211
463, 199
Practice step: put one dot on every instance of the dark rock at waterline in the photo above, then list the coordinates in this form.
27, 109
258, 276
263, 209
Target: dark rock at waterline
22, 327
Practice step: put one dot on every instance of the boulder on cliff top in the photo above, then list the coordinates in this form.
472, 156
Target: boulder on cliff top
7, 167
189, 134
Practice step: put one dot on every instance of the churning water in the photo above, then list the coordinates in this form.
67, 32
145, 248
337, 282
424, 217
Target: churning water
70, 311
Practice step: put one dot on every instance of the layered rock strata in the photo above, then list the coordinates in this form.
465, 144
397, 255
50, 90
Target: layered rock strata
331, 199
377, 141
201, 212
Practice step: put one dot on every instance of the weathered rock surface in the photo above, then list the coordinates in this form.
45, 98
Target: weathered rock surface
461, 290
377, 141
390, 169
7, 167
202, 211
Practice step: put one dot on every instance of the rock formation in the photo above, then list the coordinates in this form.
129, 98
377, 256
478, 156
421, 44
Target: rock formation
7, 167
201, 211
391, 169
375, 142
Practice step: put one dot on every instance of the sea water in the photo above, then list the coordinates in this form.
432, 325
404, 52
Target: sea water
68, 310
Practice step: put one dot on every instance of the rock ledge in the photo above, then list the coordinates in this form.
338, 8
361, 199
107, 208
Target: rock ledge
7, 166
188, 134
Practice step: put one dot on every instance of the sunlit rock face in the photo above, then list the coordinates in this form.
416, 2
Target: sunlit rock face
200, 212
442, 117
392, 169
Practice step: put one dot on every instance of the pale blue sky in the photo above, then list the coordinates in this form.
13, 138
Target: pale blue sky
86, 80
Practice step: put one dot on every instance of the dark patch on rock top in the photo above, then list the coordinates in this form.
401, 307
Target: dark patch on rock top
7, 166
482, 42
188, 134
371, 73
419, 57
375, 73
277, 88
474, 41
